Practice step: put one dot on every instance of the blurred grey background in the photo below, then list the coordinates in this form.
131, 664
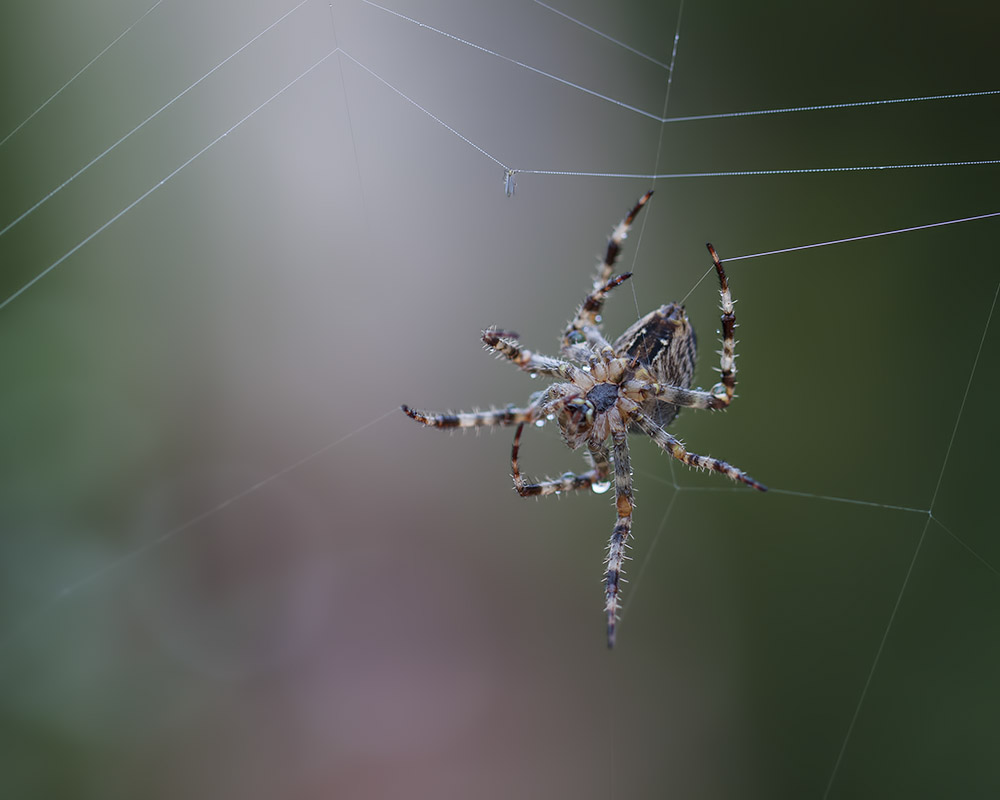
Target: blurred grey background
231, 568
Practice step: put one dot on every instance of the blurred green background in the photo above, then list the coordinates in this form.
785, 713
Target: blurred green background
183, 614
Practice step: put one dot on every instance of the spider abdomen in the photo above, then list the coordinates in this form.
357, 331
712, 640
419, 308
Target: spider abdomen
664, 342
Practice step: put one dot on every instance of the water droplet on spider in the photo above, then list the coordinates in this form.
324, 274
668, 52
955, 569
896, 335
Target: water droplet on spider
598, 319
532, 374
539, 423
585, 368
550, 417
600, 488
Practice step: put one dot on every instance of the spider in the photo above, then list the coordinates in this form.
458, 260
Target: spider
606, 391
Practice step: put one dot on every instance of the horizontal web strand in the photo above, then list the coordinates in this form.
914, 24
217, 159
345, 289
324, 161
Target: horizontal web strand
749, 172
664, 119
829, 106
646, 176
789, 492
863, 236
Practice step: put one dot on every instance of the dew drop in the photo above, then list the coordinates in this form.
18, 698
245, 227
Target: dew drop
550, 417
532, 374
600, 488
539, 423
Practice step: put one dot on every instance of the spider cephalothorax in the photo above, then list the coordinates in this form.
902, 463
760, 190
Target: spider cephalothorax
604, 391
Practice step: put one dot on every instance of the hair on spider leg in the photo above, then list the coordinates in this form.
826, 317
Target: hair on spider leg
500, 333
600, 391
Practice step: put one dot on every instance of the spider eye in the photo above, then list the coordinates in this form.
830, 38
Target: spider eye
575, 337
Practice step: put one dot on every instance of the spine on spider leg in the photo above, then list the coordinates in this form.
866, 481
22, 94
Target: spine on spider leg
504, 343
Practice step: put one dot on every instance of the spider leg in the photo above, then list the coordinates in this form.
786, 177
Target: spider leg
503, 342
569, 482
641, 391
723, 390
720, 395
474, 419
619, 536
573, 340
586, 315
673, 446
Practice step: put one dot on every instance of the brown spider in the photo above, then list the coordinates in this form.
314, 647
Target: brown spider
638, 384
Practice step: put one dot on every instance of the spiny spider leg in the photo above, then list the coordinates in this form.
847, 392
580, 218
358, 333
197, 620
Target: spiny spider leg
672, 445
474, 419
595, 300
500, 342
723, 391
568, 482
605, 391
586, 315
592, 333
619, 536
721, 395
617, 237
678, 395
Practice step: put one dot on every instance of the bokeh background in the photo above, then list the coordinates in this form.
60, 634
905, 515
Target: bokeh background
229, 567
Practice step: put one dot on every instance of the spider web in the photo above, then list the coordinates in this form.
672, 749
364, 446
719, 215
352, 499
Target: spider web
236, 236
